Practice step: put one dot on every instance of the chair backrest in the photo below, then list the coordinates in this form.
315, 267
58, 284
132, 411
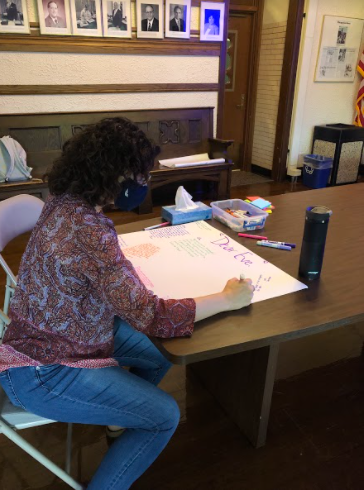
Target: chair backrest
18, 215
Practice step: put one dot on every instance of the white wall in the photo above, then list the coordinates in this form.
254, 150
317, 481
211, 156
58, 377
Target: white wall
320, 102
275, 11
64, 68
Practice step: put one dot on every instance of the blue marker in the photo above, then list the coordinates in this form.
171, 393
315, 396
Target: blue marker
274, 245
292, 245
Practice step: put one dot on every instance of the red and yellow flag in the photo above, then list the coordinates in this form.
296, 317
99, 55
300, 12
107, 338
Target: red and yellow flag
359, 106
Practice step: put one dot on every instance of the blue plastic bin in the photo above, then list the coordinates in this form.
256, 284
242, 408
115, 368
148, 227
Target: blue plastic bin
316, 171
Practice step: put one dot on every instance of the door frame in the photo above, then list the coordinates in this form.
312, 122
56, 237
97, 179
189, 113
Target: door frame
287, 90
257, 18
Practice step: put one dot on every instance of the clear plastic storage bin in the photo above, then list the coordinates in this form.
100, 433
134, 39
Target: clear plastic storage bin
255, 221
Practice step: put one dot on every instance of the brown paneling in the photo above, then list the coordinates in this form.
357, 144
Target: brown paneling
243, 8
107, 88
288, 82
42, 135
254, 8
102, 45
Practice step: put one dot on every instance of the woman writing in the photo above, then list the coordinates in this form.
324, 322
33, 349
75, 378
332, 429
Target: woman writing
80, 311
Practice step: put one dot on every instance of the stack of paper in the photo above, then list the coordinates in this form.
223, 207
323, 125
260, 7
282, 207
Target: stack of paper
189, 161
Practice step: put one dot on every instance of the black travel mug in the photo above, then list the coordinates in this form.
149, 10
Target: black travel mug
313, 243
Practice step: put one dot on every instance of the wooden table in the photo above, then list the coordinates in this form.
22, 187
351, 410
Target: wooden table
235, 354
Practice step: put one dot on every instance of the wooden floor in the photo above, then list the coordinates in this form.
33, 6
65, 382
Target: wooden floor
315, 435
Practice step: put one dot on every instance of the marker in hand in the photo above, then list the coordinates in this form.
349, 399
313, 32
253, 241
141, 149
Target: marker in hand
242, 278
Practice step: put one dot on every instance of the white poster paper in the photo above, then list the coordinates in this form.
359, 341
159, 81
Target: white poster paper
195, 259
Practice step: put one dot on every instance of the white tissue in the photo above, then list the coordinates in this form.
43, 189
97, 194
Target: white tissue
184, 200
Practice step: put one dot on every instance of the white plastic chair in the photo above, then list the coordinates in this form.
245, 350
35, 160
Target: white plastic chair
18, 215
14, 418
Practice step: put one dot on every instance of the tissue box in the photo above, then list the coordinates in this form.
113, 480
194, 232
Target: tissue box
170, 214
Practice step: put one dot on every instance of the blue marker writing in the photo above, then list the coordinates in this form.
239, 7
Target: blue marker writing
274, 245
292, 245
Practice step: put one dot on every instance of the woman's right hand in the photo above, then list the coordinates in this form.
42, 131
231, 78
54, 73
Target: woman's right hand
238, 293
235, 295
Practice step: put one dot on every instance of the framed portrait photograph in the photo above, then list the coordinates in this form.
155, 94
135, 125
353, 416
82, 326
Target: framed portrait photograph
86, 17
14, 16
178, 19
150, 19
212, 21
54, 17
116, 18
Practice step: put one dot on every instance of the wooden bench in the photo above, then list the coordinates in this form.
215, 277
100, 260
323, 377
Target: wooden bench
179, 132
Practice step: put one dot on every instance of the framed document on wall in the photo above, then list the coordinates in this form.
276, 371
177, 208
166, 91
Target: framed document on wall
86, 17
339, 48
178, 19
54, 17
14, 16
116, 18
212, 21
150, 19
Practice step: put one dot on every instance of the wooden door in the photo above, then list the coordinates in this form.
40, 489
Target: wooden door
237, 84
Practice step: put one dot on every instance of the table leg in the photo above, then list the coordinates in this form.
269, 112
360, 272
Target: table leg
224, 184
243, 385
147, 205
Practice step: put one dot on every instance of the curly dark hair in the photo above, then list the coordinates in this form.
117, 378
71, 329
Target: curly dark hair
93, 160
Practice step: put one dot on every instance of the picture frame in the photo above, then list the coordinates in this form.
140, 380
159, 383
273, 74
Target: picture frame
212, 17
54, 17
116, 18
150, 19
178, 19
14, 17
86, 17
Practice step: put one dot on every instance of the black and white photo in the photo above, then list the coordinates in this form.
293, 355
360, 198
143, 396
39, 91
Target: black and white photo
342, 55
116, 18
150, 19
54, 17
178, 18
341, 35
212, 21
86, 17
14, 16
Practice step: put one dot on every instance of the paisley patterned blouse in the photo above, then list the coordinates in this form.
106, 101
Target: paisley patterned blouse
73, 279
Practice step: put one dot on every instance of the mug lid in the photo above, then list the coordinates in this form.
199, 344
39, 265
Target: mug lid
318, 213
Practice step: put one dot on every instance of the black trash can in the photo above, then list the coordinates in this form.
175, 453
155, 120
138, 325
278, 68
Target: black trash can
344, 144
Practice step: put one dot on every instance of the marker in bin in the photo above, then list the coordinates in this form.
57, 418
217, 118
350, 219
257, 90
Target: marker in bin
237, 213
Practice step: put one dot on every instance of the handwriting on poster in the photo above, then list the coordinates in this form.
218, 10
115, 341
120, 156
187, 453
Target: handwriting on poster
243, 257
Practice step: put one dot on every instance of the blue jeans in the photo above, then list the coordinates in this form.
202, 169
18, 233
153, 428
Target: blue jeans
107, 396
